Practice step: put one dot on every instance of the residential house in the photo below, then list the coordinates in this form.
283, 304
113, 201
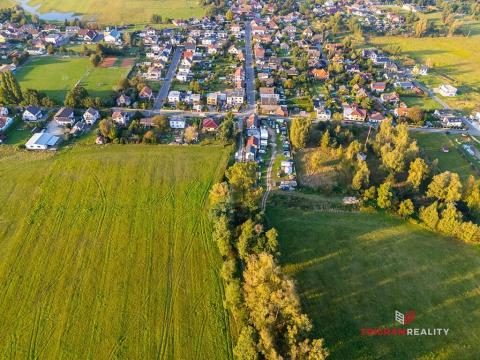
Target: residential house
112, 37
120, 117
239, 76
376, 117
235, 97
90, 116
401, 111
321, 74
378, 86
269, 93
354, 113
124, 100
209, 125
65, 116
32, 113
389, 98
447, 90
177, 122
146, 93
174, 97
323, 114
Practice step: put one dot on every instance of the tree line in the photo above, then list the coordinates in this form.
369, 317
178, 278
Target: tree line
12, 94
261, 299
389, 172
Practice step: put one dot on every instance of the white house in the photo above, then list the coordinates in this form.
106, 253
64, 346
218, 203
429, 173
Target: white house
447, 90
112, 36
235, 96
120, 117
323, 114
177, 123
42, 141
65, 116
174, 97
32, 113
90, 116
182, 75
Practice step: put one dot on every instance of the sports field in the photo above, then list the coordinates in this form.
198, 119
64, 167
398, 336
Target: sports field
106, 253
55, 76
353, 270
455, 60
122, 11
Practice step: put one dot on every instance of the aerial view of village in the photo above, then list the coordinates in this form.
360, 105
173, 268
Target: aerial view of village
239, 179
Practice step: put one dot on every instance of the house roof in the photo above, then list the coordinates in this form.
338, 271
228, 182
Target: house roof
64, 112
209, 123
34, 110
91, 111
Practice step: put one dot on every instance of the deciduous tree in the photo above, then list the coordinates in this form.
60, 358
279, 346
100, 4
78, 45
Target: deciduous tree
445, 187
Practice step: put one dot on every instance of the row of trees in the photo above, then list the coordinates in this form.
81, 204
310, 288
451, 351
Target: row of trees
12, 94
401, 180
261, 298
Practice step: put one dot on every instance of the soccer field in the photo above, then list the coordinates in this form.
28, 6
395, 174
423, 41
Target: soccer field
353, 270
55, 76
107, 253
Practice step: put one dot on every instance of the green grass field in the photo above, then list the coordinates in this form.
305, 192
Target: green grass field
425, 103
55, 76
106, 253
122, 11
353, 270
455, 60
432, 145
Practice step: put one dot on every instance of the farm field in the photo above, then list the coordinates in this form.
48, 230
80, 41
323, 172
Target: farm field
121, 11
432, 144
55, 76
455, 61
106, 253
353, 270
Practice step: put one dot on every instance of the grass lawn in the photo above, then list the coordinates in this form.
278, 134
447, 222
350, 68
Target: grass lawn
425, 103
106, 252
455, 61
432, 145
18, 133
55, 76
123, 11
353, 270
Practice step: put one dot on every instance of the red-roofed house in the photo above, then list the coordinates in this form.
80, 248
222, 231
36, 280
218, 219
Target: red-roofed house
209, 125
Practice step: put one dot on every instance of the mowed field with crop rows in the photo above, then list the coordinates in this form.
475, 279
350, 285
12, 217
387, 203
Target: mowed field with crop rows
119, 11
353, 270
107, 253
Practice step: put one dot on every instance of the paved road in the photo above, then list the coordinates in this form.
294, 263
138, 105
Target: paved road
268, 181
249, 87
249, 70
165, 89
